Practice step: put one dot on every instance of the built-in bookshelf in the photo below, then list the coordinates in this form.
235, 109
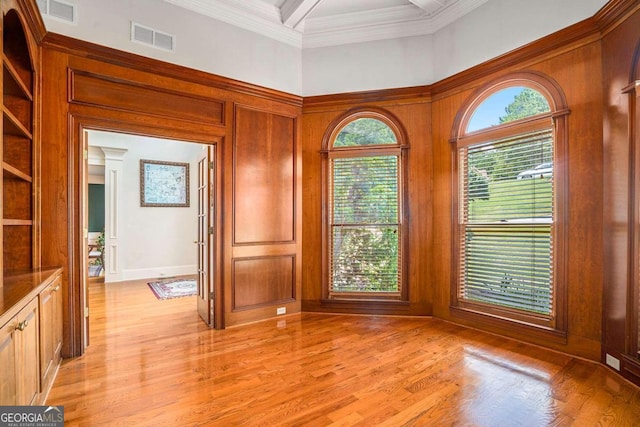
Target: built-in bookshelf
18, 184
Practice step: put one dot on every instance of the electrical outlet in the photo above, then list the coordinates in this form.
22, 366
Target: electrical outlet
613, 362
281, 310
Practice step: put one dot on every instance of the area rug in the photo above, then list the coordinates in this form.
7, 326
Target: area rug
176, 288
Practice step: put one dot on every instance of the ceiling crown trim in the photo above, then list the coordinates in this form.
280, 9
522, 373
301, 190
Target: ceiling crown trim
292, 28
255, 16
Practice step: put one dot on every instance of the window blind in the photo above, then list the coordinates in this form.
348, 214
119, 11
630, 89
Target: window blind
506, 190
365, 229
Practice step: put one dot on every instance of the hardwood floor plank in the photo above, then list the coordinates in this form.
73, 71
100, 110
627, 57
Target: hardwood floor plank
155, 363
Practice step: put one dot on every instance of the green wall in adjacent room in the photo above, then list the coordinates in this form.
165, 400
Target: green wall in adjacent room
96, 207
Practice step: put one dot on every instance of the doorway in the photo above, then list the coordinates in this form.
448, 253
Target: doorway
175, 236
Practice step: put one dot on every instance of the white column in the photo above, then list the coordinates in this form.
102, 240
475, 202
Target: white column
114, 212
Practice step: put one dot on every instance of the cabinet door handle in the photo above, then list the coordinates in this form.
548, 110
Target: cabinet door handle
56, 289
22, 325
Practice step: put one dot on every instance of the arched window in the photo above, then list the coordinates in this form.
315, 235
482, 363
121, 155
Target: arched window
508, 150
363, 224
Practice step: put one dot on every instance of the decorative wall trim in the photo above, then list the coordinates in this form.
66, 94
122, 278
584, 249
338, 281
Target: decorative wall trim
569, 38
113, 170
311, 32
92, 89
289, 236
35, 22
582, 33
113, 204
261, 279
409, 95
381, 24
258, 17
137, 62
614, 13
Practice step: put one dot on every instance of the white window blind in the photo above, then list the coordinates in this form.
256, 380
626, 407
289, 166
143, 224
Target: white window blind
365, 225
506, 229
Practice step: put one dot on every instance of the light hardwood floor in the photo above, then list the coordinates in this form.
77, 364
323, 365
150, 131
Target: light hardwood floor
154, 363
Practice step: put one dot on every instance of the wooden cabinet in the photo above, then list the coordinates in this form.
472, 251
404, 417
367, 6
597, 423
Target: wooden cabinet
27, 354
20, 382
30, 335
8, 380
50, 300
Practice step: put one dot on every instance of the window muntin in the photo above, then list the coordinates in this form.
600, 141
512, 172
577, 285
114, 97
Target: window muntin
509, 242
364, 233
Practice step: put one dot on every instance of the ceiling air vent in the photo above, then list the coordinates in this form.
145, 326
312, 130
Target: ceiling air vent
151, 37
59, 10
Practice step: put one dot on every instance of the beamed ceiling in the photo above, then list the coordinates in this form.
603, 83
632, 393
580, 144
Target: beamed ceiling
317, 23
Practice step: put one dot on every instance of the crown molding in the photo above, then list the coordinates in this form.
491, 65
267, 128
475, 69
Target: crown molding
357, 27
453, 12
255, 16
368, 18
293, 12
35, 22
342, 101
382, 24
578, 34
426, 5
364, 34
615, 12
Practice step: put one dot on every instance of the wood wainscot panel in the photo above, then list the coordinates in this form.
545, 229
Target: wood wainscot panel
263, 281
91, 89
264, 178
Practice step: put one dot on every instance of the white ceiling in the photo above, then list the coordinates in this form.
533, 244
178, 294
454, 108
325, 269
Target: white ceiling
317, 23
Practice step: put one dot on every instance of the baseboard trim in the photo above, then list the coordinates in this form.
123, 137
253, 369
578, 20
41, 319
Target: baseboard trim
159, 272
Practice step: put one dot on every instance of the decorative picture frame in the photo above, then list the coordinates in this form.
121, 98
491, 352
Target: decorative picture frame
164, 184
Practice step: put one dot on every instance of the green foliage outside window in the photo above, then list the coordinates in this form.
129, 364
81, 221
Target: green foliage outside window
527, 103
365, 131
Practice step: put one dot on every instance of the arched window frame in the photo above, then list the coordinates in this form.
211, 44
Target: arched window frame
330, 152
552, 326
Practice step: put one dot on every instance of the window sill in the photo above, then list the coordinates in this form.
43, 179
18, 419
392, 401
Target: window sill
366, 306
512, 327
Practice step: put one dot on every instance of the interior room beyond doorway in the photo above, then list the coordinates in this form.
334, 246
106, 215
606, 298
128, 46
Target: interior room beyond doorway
140, 242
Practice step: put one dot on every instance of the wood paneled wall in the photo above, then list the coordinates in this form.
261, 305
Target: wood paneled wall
258, 234
413, 111
574, 59
621, 54
574, 70
264, 247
